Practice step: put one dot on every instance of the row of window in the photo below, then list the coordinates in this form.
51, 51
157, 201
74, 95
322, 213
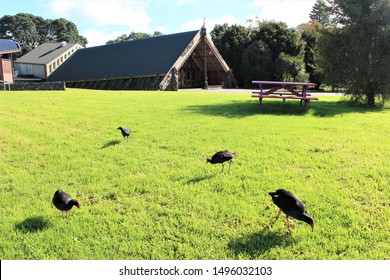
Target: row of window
61, 59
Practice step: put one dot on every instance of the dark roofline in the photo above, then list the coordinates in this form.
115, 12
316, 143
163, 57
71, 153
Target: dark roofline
136, 58
143, 39
46, 52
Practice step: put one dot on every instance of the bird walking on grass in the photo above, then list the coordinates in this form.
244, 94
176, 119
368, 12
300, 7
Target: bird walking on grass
125, 132
222, 157
62, 201
292, 206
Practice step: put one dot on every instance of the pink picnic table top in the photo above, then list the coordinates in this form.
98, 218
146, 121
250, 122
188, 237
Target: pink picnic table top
283, 83
286, 85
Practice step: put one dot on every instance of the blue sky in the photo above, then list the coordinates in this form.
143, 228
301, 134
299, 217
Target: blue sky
103, 20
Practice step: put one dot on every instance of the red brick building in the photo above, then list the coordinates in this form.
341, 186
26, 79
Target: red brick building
7, 48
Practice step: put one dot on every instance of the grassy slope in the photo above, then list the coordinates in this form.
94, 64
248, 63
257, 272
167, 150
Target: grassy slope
155, 198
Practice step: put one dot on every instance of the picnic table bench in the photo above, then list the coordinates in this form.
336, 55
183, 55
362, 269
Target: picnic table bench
289, 91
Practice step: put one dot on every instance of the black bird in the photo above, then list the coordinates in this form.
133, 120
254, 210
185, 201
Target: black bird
221, 157
125, 132
64, 202
291, 205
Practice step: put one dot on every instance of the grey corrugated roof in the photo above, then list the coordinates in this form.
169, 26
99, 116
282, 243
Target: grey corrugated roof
149, 56
8, 46
45, 53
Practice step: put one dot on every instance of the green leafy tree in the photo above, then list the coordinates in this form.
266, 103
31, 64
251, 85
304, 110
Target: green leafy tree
133, 36
31, 31
279, 38
64, 30
321, 13
261, 51
355, 53
288, 67
286, 50
310, 34
232, 41
22, 28
256, 62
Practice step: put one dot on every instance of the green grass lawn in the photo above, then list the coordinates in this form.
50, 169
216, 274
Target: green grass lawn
154, 197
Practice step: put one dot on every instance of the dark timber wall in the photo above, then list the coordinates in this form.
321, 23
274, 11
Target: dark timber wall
138, 83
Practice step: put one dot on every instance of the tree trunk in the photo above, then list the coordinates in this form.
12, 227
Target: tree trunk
370, 99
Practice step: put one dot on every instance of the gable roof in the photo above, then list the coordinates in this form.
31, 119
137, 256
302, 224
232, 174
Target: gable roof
45, 53
150, 56
9, 46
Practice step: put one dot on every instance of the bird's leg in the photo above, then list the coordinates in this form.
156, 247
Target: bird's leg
66, 215
230, 163
288, 225
277, 216
222, 167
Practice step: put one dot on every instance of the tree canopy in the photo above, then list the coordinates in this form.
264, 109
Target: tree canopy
133, 36
231, 41
30, 31
320, 13
355, 51
264, 50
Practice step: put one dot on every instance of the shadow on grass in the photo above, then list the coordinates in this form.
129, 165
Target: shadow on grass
257, 243
33, 224
111, 143
234, 109
200, 178
241, 109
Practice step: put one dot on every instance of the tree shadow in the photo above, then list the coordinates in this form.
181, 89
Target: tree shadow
242, 109
33, 224
330, 109
234, 109
257, 243
110, 143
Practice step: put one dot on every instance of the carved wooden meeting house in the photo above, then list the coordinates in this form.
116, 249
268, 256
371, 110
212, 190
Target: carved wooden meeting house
168, 62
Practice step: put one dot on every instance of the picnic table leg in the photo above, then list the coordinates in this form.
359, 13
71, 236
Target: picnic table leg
260, 102
304, 88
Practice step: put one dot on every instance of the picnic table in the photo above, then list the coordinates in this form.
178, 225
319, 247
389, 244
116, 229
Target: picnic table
289, 91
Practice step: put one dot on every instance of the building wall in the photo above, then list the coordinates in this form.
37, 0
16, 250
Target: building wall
36, 70
44, 71
6, 72
54, 64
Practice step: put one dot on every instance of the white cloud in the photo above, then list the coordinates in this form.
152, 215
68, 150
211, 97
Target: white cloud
100, 37
292, 12
103, 13
101, 18
210, 23
184, 2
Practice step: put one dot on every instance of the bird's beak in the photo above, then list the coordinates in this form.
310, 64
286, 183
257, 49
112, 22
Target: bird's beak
312, 226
